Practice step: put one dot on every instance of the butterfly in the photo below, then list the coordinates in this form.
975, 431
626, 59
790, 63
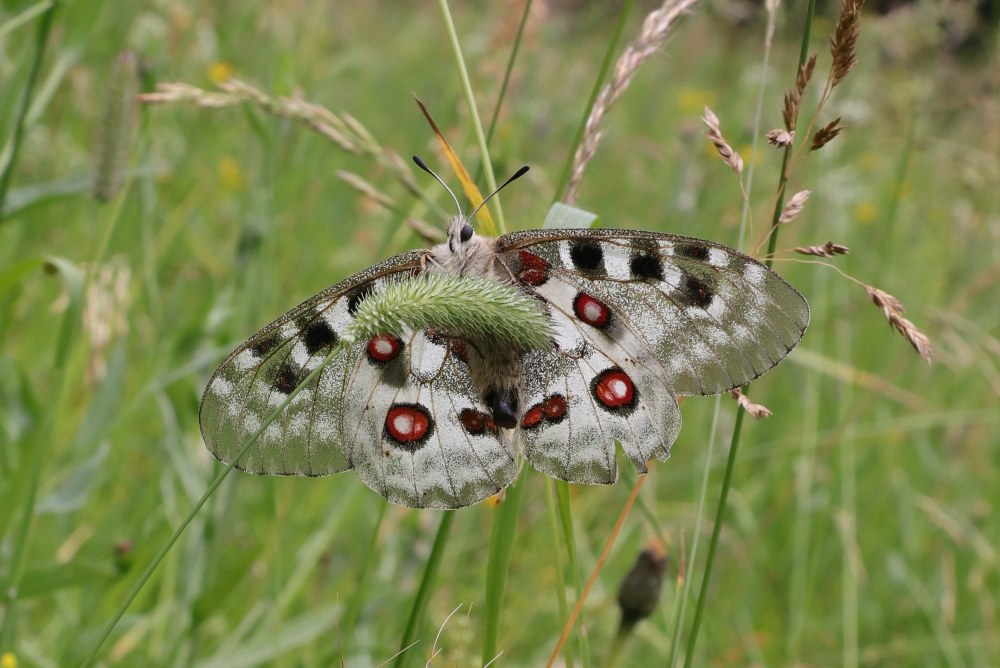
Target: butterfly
439, 420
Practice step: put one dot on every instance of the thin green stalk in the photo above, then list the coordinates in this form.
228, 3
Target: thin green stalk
566, 519
849, 575
758, 114
17, 134
426, 585
609, 57
515, 49
353, 611
683, 596
501, 547
470, 99
66, 343
779, 203
716, 530
738, 426
561, 565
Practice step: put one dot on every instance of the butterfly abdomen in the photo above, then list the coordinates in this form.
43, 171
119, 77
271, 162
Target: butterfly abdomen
496, 371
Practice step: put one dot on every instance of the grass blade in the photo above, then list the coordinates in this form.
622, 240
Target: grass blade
426, 585
501, 548
17, 135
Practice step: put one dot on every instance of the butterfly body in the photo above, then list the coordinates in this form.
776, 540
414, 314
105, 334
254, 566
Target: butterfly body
495, 366
436, 419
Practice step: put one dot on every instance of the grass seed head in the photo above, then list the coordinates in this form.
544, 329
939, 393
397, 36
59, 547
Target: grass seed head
826, 134
793, 98
780, 138
844, 43
758, 411
829, 249
794, 206
893, 310
117, 126
714, 134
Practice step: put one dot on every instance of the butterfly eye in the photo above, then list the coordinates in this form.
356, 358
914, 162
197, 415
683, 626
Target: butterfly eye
466, 233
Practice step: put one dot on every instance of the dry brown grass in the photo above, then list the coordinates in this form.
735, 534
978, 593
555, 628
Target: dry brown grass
655, 29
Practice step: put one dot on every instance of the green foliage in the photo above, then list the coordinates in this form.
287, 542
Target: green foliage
861, 516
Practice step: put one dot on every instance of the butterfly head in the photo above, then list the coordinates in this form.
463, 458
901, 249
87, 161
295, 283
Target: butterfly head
460, 234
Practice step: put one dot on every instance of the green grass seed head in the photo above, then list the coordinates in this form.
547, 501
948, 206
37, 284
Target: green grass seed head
469, 307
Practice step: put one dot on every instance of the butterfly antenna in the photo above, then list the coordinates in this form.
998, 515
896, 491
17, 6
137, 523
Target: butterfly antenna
423, 165
518, 174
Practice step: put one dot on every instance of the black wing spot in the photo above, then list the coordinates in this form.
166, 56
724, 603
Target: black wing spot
358, 295
646, 266
692, 251
587, 255
696, 292
287, 378
261, 347
318, 336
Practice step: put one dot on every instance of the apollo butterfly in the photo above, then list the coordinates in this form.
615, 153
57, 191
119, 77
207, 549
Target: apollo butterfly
433, 421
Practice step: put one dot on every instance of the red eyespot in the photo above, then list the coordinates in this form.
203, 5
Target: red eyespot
532, 417
591, 310
614, 389
476, 422
382, 349
458, 348
534, 269
555, 407
408, 424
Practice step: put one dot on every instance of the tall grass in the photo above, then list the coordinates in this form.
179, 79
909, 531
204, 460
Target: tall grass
859, 523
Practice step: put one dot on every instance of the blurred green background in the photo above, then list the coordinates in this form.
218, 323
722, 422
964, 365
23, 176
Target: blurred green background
862, 524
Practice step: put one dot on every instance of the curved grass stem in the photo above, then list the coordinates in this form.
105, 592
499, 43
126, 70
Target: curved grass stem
738, 425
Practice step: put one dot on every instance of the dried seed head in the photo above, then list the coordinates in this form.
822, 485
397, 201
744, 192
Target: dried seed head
826, 134
844, 43
639, 592
829, 249
714, 133
794, 207
780, 138
756, 410
894, 310
790, 111
655, 28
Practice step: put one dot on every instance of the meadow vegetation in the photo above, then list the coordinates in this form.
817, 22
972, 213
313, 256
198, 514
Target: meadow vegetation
861, 520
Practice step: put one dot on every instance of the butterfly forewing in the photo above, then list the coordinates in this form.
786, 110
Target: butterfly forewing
710, 317
261, 374
402, 411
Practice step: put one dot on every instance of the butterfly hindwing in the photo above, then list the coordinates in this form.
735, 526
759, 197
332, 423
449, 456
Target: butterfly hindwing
389, 408
580, 401
714, 318
417, 430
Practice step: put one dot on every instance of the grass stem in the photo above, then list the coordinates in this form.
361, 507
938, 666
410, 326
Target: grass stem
24, 104
738, 425
470, 100
431, 569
